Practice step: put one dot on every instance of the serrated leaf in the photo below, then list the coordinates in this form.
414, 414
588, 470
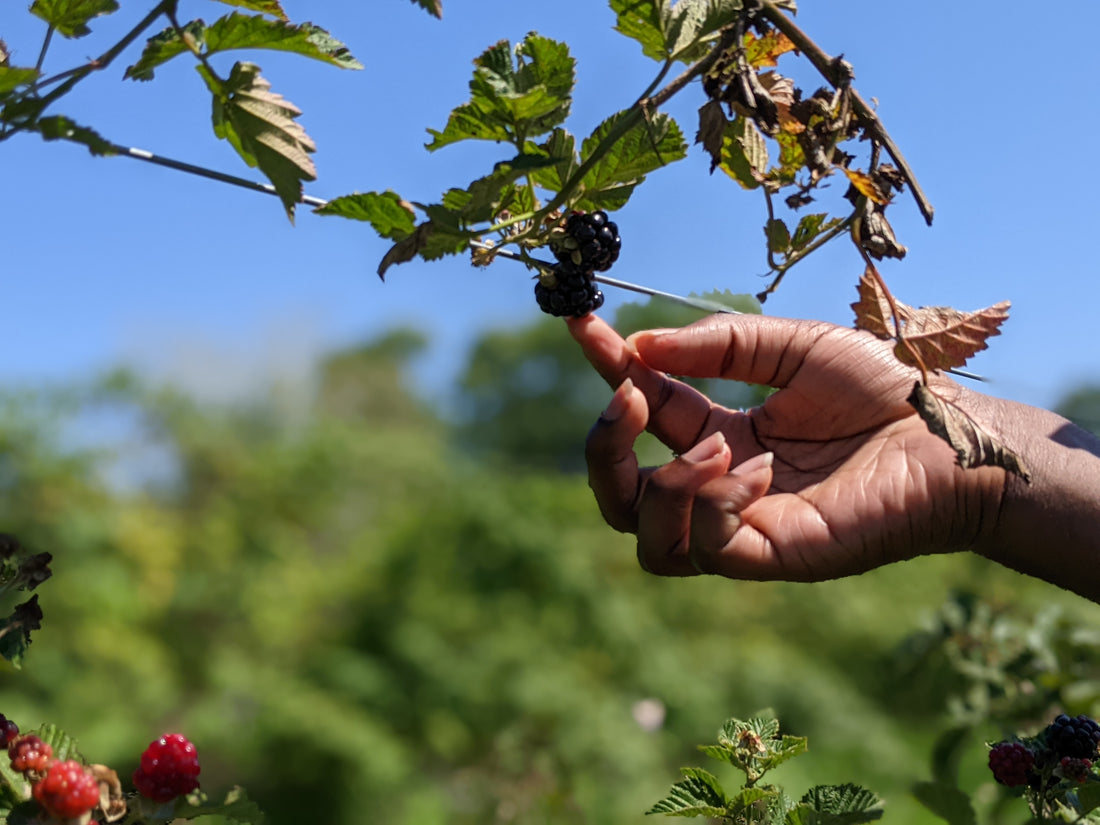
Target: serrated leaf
261, 127
14, 787
243, 31
390, 216
520, 93
698, 794
235, 806
642, 20
712, 130
945, 801
70, 17
764, 51
974, 447
644, 147
64, 746
744, 153
58, 127
845, 803
432, 7
162, 47
560, 148
866, 185
270, 7
11, 77
691, 25
943, 337
16, 629
810, 227
431, 240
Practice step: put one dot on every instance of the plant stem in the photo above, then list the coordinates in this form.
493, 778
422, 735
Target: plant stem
832, 69
45, 47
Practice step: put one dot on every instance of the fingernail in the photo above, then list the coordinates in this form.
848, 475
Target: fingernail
647, 335
757, 462
706, 449
619, 401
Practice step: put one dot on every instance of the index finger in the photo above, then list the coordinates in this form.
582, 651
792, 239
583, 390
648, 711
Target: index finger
679, 415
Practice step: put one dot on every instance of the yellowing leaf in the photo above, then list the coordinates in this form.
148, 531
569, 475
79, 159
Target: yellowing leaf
765, 51
866, 186
974, 447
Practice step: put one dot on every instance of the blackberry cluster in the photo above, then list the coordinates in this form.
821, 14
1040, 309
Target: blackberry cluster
589, 241
30, 754
1011, 763
1077, 770
568, 292
586, 244
169, 768
9, 731
1076, 738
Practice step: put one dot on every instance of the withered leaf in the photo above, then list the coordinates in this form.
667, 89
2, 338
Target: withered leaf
765, 51
943, 337
712, 129
781, 90
974, 447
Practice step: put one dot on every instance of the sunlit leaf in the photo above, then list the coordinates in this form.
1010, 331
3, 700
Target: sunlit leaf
561, 149
644, 147
432, 7
698, 794
744, 153
58, 127
973, 445
778, 235
270, 7
390, 216
242, 31
261, 126
866, 186
642, 20
810, 227
70, 17
764, 51
846, 804
11, 77
162, 47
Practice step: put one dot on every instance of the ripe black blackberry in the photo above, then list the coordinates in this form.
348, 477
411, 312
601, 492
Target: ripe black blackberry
1011, 763
589, 240
1076, 738
568, 291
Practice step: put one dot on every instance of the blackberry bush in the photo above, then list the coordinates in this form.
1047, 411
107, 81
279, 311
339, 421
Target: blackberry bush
169, 768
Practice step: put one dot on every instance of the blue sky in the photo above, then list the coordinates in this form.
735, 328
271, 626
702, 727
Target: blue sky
109, 261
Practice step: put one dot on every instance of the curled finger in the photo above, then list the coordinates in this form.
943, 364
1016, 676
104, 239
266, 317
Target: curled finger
613, 472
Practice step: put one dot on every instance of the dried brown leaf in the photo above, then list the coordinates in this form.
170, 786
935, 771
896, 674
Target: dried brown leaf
781, 90
945, 337
974, 447
765, 51
712, 129
873, 310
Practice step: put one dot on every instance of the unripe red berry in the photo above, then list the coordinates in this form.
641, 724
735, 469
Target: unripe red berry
1076, 770
30, 754
169, 768
68, 790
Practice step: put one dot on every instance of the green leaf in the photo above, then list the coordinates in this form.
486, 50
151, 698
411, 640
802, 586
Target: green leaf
642, 148
810, 227
432, 7
846, 804
271, 7
945, 801
261, 127
485, 197
431, 240
16, 629
64, 746
162, 47
59, 127
390, 216
744, 153
779, 236
514, 94
242, 31
691, 24
643, 20
948, 749
235, 806
561, 149
1088, 796
698, 794
14, 787
70, 17
11, 77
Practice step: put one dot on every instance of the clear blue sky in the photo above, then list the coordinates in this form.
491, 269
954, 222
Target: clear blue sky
110, 260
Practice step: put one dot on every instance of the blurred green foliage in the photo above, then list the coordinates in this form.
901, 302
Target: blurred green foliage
363, 612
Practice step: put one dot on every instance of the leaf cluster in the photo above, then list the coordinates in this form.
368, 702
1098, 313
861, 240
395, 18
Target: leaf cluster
754, 747
20, 570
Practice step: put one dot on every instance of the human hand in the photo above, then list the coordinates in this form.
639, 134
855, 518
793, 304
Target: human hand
833, 475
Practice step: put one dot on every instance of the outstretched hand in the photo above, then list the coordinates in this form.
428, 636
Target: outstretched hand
833, 475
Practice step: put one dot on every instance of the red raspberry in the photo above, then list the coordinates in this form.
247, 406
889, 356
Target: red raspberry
169, 768
67, 791
1011, 762
29, 753
9, 731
